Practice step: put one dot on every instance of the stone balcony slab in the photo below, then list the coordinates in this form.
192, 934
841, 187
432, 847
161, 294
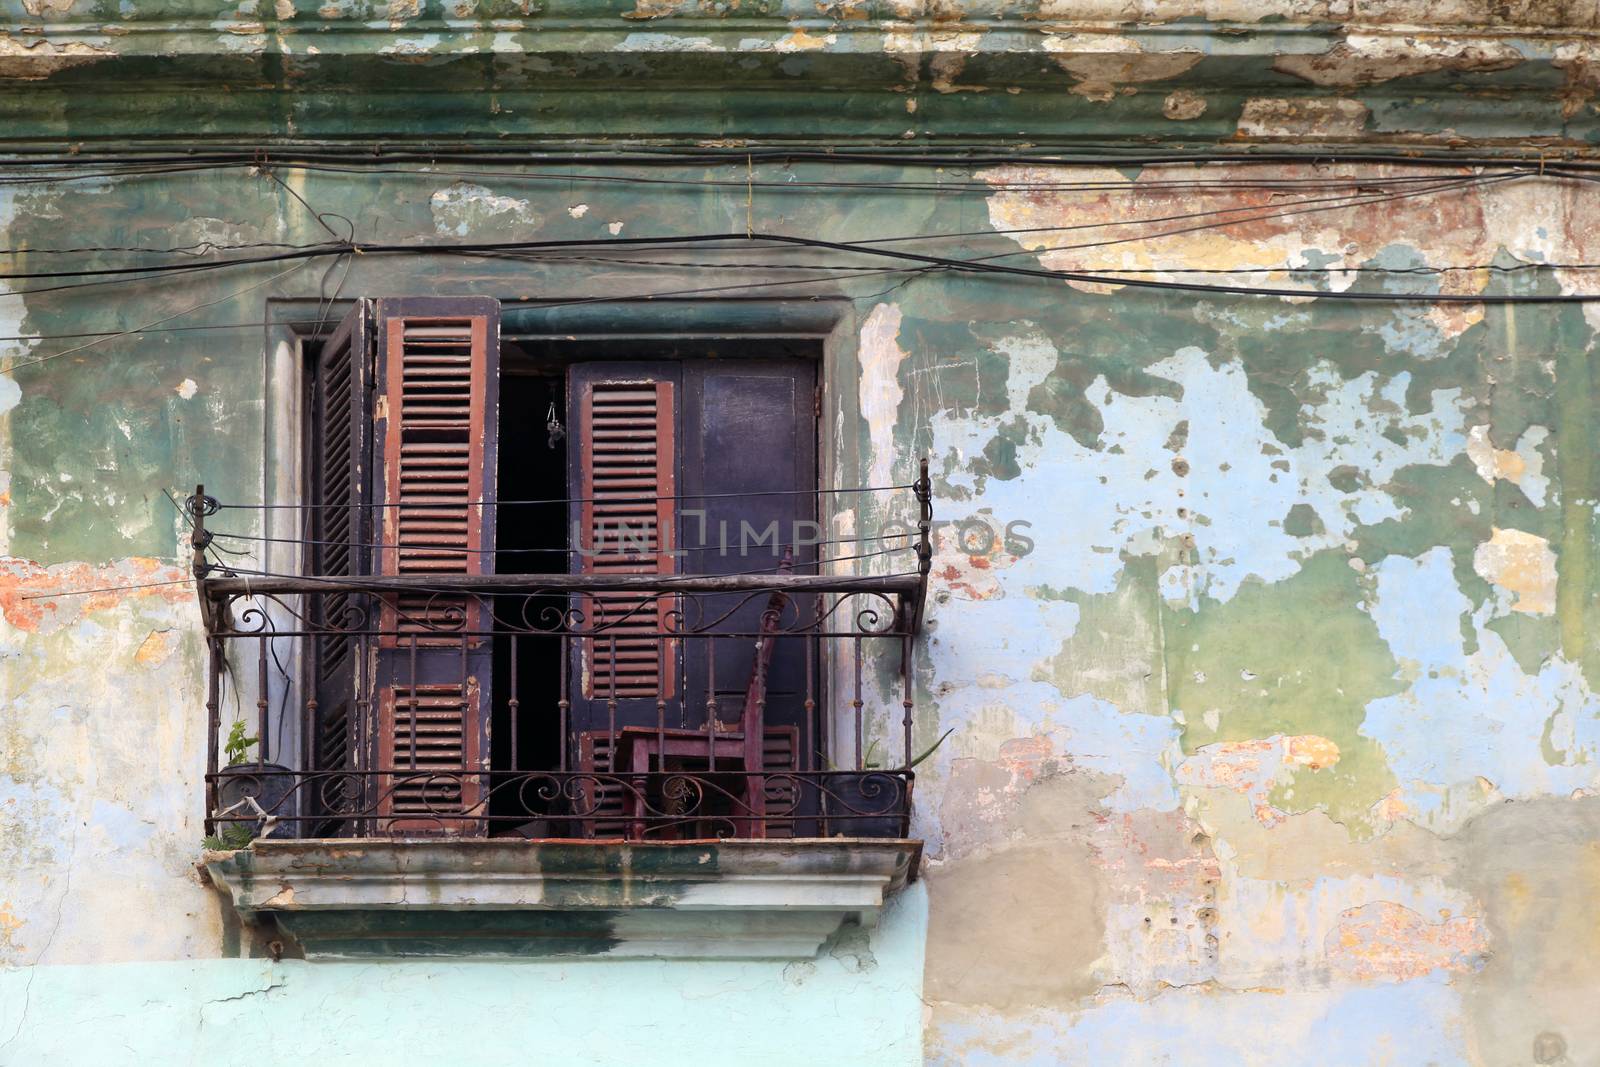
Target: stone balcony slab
737, 899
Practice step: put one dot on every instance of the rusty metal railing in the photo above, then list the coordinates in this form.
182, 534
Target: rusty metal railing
492, 705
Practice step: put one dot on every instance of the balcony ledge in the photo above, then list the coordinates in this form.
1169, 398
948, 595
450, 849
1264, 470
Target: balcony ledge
731, 899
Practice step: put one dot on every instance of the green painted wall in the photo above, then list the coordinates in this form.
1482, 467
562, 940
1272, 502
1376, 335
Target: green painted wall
1275, 734
857, 1002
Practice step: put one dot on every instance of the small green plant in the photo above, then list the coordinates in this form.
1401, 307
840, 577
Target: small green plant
931, 749
233, 836
237, 745
870, 761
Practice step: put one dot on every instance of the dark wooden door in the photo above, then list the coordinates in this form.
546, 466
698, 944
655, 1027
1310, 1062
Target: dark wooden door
722, 453
747, 483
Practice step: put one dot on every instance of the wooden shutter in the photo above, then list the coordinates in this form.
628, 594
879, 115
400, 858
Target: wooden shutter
623, 456
435, 421
338, 528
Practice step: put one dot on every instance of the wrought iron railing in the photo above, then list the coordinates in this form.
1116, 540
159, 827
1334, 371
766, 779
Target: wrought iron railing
516, 704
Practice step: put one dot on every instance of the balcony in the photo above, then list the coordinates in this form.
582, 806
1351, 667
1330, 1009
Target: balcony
690, 744
725, 776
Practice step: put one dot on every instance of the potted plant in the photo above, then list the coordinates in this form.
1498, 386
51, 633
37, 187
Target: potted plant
243, 781
871, 801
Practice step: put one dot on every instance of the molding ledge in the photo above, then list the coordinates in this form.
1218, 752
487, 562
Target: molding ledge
686, 900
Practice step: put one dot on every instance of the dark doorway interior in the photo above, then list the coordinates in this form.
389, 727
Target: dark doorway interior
531, 538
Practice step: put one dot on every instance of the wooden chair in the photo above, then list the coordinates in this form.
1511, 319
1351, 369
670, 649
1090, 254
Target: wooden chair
610, 809
748, 751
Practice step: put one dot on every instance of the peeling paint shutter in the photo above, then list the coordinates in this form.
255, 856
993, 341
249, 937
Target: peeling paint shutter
436, 425
339, 530
623, 454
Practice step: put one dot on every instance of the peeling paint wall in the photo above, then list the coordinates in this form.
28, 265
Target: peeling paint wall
1273, 688
1299, 658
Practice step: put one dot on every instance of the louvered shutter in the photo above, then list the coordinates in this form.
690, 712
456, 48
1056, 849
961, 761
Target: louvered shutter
338, 473
623, 456
435, 423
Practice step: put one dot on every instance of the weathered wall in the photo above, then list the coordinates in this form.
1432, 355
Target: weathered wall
1275, 732
1521, 74
1296, 694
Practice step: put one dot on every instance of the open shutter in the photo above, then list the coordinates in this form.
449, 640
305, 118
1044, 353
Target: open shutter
338, 529
691, 451
435, 422
623, 456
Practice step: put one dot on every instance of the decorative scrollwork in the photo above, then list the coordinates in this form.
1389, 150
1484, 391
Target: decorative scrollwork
352, 611
653, 805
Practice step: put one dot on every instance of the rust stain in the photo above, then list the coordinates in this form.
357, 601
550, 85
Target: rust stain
971, 575
1311, 751
1024, 757
655, 9
801, 41
1392, 808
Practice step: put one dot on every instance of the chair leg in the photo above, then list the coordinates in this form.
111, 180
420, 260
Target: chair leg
637, 791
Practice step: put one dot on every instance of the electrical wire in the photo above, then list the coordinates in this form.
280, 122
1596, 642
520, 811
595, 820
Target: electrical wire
161, 329
197, 154
1293, 211
1089, 277
327, 248
1113, 277
1493, 268
104, 589
1139, 189
980, 265
947, 186
175, 315
321, 217
200, 248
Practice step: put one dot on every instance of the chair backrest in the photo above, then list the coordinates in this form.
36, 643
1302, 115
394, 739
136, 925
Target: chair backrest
752, 722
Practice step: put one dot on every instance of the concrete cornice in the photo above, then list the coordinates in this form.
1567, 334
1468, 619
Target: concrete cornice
1044, 72
716, 900
585, 30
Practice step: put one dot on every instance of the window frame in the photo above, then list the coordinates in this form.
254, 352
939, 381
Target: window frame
673, 329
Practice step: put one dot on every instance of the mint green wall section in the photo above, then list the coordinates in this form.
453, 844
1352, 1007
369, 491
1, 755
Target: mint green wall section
857, 1003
